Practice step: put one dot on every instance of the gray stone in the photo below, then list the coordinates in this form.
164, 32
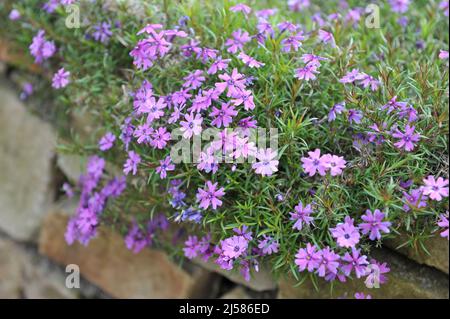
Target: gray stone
436, 254
72, 166
107, 263
405, 280
26, 152
260, 281
25, 274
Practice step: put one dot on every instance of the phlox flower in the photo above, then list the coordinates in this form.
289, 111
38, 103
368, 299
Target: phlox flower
40, 48
293, 42
192, 125
131, 163
165, 166
355, 262
268, 245
434, 188
234, 246
373, 224
326, 37
223, 116
106, 142
443, 223
61, 79
266, 164
346, 234
236, 43
210, 195
159, 138
219, 64
328, 262
249, 61
240, 7
407, 139
301, 215
245, 98
308, 258
194, 80
306, 73
415, 199
336, 109
335, 164
314, 163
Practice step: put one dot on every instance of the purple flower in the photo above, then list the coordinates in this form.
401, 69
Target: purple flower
218, 65
131, 163
14, 15
361, 295
374, 224
301, 215
306, 73
443, 223
376, 273
234, 83
240, 7
346, 234
292, 42
436, 189
266, 163
249, 61
106, 142
328, 262
27, 90
246, 98
40, 48
154, 109
369, 81
194, 80
443, 55
308, 258
160, 137
334, 163
192, 125
399, 6
311, 59
444, 7
234, 246
191, 247
352, 76
210, 195
355, 116
191, 214
165, 166
338, 108
102, 32
143, 133
355, 262
68, 190
414, 200
268, 245
223, 116
60, 79
236, 43
326, 37
314, 163
298, 5
136, 239
407, 139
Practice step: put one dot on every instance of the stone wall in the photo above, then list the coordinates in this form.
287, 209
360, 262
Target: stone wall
34, 255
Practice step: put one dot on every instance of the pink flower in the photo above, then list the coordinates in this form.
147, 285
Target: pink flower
234, 83
224, 116
301, 215
249, 61
334, 163
292, 42
160, 137
306, 73
218, 65
374, 224
153, 108
107, 141
314, 163
236, 43
443, 223
61, 79
346, 234
240, 7
131, 163
355, 262
267, 163
328, 262
326, 37
165, 166
352, 76
192, 125
407, 139
246, 97
443, 55
435, 188
234, 247
308, 258
210, 195
194, 80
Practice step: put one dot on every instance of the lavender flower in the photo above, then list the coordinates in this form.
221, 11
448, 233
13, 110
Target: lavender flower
40, 48
374, 224
106, 142
301, 216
